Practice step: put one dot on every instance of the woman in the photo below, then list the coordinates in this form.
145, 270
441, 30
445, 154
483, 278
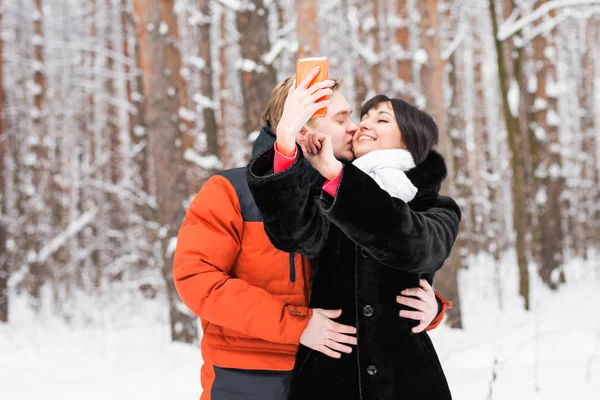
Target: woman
375, 233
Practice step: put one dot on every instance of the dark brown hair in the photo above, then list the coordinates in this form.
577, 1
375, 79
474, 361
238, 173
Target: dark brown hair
419, 131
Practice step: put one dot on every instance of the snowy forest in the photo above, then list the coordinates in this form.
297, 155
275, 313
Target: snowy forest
114, 113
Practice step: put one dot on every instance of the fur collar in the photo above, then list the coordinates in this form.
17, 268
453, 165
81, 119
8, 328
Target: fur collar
428, 175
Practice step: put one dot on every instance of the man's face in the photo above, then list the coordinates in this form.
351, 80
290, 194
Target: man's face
338, 125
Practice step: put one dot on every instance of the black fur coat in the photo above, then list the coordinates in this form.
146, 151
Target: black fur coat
369, 247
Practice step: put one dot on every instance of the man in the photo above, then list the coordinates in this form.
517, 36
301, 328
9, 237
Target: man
252, 298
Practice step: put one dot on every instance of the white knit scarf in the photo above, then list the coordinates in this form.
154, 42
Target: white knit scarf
387, 168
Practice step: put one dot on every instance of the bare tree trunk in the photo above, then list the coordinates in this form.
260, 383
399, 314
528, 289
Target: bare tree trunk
432, 84
136, 97
93, 239
375, 69
361, 69
594, 220
548, 165
447, 284
481, 188
225, 151
258, 79
517, 163
166, 95
590, 171
307, 28
112, 125
404, 64
206, 86
111, 131
4, 271
38, 271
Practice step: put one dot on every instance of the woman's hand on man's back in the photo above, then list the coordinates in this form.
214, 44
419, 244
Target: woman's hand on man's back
425, 304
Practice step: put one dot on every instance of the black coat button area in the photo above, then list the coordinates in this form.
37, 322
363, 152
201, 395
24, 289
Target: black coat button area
371, 370
363, 253
368, 311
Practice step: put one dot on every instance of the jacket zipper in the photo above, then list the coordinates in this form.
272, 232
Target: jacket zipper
292, 268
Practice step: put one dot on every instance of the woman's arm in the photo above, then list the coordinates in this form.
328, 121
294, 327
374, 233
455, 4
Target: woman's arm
286, 198
387, 228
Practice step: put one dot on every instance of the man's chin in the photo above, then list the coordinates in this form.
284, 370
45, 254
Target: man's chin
347, 156
344, 155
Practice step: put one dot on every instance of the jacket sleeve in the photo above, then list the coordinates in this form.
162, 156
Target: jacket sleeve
286, 201
387, 228
208, 243
443, 305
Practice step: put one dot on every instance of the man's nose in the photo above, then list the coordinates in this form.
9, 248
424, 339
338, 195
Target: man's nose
352, 128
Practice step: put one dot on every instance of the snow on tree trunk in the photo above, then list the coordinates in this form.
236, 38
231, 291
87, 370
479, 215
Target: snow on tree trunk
547, 167
590, 188
211, 149
594, 132
37, 153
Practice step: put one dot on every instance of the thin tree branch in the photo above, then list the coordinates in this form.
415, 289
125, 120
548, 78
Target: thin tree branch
508, 28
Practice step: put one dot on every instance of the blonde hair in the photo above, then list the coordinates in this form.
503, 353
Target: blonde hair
272, 114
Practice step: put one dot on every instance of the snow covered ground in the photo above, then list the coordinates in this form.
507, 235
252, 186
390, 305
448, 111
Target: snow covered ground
121, 350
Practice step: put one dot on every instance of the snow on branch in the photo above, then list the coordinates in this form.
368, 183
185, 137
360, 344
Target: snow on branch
234, 5
546, 26
56, 44
367, 53
447, 52
275, 51
73, 229
140, 198
205, 162
509, 28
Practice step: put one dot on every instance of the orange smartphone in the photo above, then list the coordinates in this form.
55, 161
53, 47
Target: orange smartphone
303, 68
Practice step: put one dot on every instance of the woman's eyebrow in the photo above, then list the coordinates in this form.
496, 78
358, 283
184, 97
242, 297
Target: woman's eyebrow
385, 112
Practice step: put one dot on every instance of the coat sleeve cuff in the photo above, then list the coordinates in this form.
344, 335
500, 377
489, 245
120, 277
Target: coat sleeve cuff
332, 185
281, 162
297, 322
443, 305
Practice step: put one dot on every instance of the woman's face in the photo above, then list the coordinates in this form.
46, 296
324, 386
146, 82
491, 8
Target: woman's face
377, 130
